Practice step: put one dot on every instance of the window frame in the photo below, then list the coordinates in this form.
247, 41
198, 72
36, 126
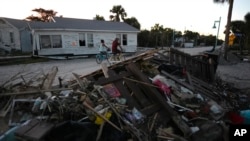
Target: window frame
121, 38
125, 39
84, 37
51, 41
90, 42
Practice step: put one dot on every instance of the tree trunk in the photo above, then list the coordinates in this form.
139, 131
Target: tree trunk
229, 16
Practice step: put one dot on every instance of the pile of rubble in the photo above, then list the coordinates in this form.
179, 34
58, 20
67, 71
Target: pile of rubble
143, 98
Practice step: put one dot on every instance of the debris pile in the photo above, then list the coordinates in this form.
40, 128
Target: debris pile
144, 98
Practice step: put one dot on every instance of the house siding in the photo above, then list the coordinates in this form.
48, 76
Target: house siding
26, 41
6, 29
70, 42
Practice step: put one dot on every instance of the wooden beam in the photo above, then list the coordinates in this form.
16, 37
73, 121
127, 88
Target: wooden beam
34, 92
125, 93
50, 78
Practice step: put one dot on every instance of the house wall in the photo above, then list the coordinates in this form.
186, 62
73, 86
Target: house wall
71, 46
5, 41
26, 41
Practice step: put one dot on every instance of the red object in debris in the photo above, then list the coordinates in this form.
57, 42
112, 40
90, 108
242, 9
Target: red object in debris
111, 90
184, 71
163, 87
235, 118
191, 115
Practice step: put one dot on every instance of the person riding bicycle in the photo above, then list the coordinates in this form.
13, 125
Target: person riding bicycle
115, 45
103, 47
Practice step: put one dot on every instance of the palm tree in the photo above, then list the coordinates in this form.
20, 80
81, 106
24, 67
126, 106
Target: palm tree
99, 18
44, 15
118, 12
229, 16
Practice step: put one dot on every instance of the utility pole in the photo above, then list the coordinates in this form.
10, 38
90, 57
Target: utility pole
229, 16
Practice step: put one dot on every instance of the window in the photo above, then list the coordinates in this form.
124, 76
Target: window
50, 41
82, 40
45, 41
11, 37
90, 40
56, 41
124, 39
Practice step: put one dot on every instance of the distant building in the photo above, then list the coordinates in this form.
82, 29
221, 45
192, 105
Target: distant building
183, 43
65, 36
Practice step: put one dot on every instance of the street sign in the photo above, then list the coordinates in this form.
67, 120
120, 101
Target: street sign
231, 39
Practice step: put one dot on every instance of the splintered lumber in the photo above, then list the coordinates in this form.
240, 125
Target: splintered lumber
178, 81
156, 95
34, 92
152, 92
105, 70
11, 79
6, 108
50, 78
125, 92
137, 92
79, 80
104, 118
165, 132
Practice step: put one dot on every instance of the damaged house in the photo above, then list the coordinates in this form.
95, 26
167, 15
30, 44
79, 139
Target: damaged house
15, 35
65, 36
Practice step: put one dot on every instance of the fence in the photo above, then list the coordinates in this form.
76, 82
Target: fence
201, 66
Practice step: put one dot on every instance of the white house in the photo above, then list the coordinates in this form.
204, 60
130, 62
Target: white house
69, 36
15, 34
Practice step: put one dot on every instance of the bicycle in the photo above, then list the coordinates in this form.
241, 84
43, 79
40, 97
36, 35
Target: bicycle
117, 58
102, 56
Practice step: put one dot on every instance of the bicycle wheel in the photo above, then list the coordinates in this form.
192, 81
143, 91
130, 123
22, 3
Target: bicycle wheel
98, 58
108, 58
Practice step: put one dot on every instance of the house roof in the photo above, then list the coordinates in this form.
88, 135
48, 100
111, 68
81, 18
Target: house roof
16, 22
62, 23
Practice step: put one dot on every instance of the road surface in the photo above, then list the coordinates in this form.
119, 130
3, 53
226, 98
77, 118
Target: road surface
65, 69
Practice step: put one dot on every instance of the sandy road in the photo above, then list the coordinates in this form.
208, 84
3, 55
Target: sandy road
65, 69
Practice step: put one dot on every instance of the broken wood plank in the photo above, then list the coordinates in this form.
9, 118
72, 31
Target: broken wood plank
103, 80
138, 93
105, 70
34, 92
155, 94
79, 80
152, 92
125, 93
177, 80
104, 118
50, 78
6, 108
150, 109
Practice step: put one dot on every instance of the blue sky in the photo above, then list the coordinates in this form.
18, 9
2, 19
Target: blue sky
195, 15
